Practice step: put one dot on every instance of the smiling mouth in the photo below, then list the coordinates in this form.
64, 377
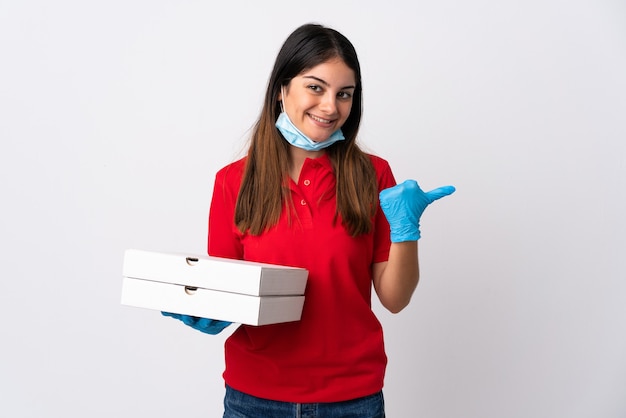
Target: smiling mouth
318, 119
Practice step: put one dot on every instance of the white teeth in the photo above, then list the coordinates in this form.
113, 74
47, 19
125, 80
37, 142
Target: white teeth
320, 119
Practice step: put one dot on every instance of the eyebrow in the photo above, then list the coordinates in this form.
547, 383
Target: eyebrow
325, 83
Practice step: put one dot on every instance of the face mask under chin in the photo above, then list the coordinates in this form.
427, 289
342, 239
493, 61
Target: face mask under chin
296, 138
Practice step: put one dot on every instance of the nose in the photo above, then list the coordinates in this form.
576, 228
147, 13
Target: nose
329, 103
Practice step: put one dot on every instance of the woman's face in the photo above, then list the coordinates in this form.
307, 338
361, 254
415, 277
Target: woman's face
318, 101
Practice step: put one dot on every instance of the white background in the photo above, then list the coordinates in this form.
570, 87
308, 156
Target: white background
115, 116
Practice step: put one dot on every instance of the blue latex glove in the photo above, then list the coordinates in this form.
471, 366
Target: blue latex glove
403, 206
208, 326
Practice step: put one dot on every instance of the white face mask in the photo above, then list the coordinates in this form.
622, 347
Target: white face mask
297, 138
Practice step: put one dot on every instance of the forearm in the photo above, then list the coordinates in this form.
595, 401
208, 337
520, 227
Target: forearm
403, 205
396, 280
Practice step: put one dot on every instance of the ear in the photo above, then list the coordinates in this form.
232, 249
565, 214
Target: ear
280, 92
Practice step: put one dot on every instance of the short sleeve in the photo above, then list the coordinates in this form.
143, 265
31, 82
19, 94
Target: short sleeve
382, 239
224, 240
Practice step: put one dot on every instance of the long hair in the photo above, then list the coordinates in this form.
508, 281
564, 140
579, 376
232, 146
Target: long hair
264, 188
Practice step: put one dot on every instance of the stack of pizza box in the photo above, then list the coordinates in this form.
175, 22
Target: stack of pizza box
211, 287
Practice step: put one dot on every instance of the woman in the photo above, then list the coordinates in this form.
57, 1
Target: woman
307, 196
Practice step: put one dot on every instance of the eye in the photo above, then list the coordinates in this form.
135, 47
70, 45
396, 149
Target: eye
344, 95
315, 88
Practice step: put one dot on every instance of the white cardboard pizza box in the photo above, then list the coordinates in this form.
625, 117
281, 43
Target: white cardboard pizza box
214, 304
212, 287
235, 276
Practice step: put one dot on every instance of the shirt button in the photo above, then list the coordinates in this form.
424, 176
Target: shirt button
303, 202
307, 182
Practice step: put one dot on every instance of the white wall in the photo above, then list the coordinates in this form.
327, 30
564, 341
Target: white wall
114, 117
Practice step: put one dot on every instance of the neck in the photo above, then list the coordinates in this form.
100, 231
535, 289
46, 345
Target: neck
297, 157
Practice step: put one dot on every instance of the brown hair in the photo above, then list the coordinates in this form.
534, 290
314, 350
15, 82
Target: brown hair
264, 188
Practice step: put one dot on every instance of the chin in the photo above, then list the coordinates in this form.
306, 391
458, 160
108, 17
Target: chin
319, 138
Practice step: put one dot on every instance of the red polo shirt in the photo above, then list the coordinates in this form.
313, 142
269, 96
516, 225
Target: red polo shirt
336, 351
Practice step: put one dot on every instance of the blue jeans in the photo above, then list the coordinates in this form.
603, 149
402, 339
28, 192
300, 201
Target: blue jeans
239, 405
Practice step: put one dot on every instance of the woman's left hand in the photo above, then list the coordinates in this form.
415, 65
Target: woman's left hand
403, 206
